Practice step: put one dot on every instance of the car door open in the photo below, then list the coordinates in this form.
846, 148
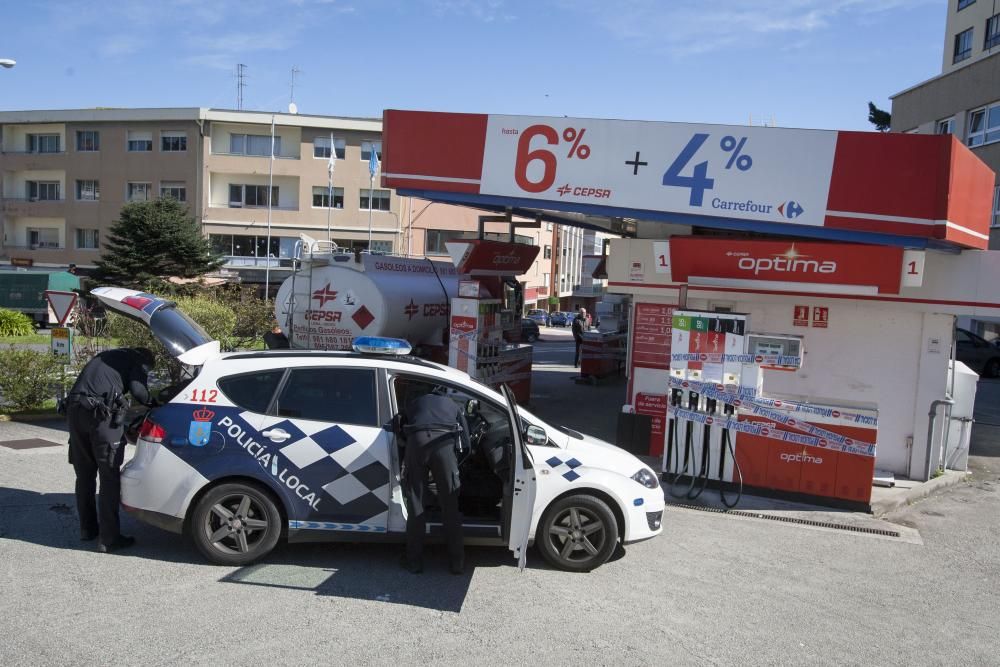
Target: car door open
519, 492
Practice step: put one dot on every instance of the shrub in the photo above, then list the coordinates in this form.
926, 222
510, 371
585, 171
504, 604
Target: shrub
28, 378
254, 316
13, 323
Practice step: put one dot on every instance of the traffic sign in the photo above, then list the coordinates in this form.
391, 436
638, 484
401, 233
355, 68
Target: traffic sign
62, 304
62, 342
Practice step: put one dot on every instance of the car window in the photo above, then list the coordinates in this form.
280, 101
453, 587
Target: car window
343, 395
251, 391
963, 337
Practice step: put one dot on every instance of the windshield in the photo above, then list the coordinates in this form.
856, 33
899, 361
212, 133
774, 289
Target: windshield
176, 331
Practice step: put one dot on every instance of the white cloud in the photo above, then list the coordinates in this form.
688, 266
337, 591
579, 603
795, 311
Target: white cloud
687, 27
486, 11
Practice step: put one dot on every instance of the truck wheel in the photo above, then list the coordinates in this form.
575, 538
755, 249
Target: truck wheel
577, 533
235, 524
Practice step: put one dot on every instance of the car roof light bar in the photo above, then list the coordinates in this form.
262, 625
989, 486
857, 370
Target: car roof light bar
381, 345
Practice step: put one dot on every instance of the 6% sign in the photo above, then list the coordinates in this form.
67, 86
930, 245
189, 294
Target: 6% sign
525, 156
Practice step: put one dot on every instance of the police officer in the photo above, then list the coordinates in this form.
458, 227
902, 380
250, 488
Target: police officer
95, 410
434, 430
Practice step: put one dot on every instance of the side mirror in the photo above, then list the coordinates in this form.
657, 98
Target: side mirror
536, 435
471, 407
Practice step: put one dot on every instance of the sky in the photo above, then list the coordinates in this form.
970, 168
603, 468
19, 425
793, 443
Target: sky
796, 63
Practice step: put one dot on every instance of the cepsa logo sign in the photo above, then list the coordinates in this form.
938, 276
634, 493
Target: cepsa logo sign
800, 262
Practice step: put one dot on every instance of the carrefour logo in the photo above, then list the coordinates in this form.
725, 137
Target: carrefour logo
790, 209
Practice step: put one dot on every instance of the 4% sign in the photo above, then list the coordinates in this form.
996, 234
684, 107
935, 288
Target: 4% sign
525, 156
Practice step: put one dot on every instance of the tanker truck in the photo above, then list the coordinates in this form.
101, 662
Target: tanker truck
334, 296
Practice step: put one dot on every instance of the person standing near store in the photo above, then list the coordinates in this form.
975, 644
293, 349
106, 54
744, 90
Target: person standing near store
579, 326
95, 411
435, 431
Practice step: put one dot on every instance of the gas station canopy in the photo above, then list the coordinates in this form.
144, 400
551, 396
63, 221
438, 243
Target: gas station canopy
914, 191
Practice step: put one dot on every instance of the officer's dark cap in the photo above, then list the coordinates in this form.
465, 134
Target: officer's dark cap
146, 357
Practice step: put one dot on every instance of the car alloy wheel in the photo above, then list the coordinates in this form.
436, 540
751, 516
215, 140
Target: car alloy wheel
578, 533
235, 524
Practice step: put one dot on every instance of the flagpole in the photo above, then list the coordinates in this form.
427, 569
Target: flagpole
329, 202
371, 204
270, 189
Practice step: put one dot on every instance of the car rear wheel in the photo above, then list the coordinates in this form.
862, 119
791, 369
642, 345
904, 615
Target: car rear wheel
235, 524
577, 533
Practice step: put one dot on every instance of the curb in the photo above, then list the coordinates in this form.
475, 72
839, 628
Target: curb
948, 479
42, 417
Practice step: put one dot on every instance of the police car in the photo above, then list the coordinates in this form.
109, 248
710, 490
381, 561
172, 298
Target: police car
255, 447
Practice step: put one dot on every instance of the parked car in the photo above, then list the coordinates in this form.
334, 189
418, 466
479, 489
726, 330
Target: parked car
977, 353
529, 330
253, 448
560, 319
538, 316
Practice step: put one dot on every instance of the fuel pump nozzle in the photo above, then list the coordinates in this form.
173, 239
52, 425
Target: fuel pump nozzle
727, 443
704, 468
693, 400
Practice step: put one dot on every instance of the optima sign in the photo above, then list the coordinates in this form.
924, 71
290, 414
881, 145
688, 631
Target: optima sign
787, 262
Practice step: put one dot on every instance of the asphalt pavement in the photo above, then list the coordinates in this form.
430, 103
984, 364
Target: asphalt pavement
713, 589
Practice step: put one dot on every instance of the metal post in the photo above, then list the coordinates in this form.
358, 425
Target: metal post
932, 415
270, 188
371, 203
329, 203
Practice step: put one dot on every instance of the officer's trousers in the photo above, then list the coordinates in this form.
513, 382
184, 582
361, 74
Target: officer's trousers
443, 465
96, 450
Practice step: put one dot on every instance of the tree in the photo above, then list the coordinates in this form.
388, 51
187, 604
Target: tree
153, 240
882, 120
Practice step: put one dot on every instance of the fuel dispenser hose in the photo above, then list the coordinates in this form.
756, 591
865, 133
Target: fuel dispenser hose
728, 444
675, 476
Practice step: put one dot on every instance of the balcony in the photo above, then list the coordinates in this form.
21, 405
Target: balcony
33, 207
591, 289
27, 161
37, 255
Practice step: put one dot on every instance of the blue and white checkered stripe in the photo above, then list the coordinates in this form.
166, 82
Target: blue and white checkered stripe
571, 464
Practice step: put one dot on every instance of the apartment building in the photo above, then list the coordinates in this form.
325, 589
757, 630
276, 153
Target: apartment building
64, 176
964, 98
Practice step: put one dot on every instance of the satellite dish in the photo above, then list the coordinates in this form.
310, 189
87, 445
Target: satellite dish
293, 107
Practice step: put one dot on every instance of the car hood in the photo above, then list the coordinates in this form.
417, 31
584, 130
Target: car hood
597, 453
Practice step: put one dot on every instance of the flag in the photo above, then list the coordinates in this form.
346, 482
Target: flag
373, 162
331, 165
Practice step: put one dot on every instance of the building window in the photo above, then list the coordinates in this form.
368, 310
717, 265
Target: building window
384, 247
321, 197
321, 147
547, 252
88, 190
43, 190
43, 237
963, 45
88, 140
251, 196
962, 4
380, 203
139, 142
996, 207
87, 239
366, 150
435, 240
946, 126
984, 126
175, 189
992, 32
253, 144
43, 143
173, 142
137, 191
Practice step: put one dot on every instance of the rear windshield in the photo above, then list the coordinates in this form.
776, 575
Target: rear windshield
178, 332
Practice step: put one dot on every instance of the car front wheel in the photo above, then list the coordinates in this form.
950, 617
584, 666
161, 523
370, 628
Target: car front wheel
577, 533
235, 524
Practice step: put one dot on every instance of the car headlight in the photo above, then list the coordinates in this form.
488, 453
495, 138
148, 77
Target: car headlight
647, 479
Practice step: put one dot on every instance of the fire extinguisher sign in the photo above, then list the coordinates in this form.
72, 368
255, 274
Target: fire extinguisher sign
821, 317
800, 317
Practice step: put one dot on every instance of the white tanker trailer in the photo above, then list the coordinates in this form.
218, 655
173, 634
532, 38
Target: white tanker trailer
333, 297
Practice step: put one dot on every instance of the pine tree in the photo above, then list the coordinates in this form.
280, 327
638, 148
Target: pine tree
153, 240
881, 119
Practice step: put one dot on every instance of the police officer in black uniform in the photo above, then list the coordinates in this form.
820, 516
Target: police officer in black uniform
435, 431
95, 410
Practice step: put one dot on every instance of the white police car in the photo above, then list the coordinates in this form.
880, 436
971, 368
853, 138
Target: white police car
259, 446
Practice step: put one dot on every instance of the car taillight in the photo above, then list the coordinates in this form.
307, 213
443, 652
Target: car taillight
150, 431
